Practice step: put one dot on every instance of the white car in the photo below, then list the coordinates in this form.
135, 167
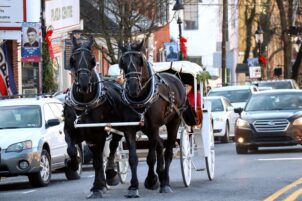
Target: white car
32, 140
238, 95
224, 118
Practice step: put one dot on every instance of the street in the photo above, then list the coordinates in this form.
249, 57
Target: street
250, 177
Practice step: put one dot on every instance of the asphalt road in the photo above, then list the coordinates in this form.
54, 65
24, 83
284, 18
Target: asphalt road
270, 174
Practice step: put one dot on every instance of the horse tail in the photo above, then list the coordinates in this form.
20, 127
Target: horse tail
189, 115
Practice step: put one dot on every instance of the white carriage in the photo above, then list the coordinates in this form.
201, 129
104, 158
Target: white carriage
201, 140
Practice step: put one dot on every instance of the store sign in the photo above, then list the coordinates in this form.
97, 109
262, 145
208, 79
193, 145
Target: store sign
62, 13
11, 13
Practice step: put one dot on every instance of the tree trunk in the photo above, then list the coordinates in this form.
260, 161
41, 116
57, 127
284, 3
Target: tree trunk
297, 65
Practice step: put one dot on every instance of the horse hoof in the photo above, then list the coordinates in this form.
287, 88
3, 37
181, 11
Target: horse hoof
132, 194
165, 189
95, 195
72, 164
153, 185
112, 178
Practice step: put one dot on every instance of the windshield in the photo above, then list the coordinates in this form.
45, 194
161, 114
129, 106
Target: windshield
20, 117
276, 85
235, 96
284, 101
216, 105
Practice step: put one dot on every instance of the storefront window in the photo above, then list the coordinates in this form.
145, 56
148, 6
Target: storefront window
30, 78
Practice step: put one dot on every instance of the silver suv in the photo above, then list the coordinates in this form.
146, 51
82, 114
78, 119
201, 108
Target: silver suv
32, 140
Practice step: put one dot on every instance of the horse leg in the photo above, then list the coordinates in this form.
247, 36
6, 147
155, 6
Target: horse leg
73, 161
160, 159
151, 181
133, 162
112, 177
172, 129
99, 184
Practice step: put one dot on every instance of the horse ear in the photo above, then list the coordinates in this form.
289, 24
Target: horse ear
121, 47
74, 42
140, 45
91, 40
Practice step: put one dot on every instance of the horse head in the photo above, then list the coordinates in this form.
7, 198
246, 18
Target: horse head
134, 64
82, 63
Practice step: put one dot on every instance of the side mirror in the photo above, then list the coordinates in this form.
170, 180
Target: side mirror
52, 122
238, 110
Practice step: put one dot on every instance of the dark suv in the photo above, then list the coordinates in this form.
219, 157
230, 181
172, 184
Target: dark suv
277, 84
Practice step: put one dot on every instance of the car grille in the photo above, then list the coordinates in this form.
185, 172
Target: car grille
273, 125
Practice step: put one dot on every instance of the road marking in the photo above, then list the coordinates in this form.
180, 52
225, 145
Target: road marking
279, 159
28, 191
283, 190
294, 195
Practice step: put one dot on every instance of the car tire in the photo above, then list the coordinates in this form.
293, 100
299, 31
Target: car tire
42, 178
226, 137
241, 149
74, 175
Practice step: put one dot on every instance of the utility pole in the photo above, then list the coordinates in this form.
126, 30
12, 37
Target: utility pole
224, 40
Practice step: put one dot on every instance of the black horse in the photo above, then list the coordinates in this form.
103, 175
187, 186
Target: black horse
160, 99
91, 100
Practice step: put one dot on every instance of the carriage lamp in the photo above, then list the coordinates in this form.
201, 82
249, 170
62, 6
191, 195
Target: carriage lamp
177, 8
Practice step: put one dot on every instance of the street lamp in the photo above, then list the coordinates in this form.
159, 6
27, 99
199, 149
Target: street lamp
259, 38
177, 8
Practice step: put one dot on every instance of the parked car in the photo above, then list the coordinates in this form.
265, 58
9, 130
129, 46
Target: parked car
277, 84
238, 95
270, 118
224, 118
32, 140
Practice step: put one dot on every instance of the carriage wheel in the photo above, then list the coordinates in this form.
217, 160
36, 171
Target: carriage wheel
210, 159
186, 154
122, 163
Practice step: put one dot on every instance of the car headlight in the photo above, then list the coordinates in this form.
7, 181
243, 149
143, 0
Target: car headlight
20, 146
240, 123
298, 122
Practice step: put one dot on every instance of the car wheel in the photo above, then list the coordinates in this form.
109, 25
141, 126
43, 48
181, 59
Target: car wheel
241, 149
71, 174
226, 137
42, 178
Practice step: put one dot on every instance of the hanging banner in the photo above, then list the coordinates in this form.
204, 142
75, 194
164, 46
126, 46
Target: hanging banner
7, 83
31, 42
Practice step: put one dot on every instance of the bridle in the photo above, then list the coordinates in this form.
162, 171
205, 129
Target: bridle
82, 51
135, 74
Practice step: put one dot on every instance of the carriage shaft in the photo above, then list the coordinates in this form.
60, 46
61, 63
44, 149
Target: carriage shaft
107, 124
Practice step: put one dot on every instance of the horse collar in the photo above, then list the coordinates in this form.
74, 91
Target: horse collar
84, 106
151, 97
